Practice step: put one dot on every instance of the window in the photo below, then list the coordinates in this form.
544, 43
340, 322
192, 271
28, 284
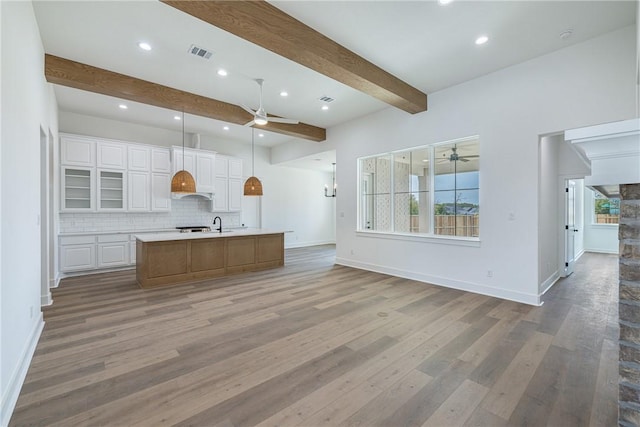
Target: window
431, 189
605, 210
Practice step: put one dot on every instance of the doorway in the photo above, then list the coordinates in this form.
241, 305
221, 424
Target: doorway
570, 226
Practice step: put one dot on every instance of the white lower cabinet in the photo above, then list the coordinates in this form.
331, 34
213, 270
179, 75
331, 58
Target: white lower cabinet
77, 253
113, 250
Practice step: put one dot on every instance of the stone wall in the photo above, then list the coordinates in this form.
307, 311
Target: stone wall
629, 306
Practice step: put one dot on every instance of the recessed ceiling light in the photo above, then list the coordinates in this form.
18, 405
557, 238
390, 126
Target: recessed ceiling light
325, 107
222, 72
482, 40
176, 117
261, 135
444, 2
425, 160
284, 93
122, 107
144, 46
226, 128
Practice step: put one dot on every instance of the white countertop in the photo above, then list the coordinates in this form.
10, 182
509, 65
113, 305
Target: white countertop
176, 235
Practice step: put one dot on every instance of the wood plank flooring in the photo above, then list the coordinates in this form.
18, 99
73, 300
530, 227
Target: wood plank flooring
315, 344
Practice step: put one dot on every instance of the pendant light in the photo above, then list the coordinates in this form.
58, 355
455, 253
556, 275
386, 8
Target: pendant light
253, 186
183, 181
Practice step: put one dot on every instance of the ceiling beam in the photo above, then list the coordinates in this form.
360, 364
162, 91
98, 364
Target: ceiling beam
86, 77
267, 26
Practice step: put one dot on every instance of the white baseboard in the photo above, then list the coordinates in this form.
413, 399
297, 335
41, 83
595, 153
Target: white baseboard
579, 255
54, 283
602, 251
10, 395
46, 299
305, 244
547, 284
442, 281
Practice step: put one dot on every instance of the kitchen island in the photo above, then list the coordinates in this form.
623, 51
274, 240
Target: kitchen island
165, 259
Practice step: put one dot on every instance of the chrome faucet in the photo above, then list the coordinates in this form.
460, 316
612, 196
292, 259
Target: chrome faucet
219, 229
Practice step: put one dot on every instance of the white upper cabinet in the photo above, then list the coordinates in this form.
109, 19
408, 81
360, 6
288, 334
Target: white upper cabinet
222, 166
205, 173
112, 189
77, 151
235, 168
139, 158
112, 155
160, 160
160, 192
228, 184
78, 188
200, 164
139, 192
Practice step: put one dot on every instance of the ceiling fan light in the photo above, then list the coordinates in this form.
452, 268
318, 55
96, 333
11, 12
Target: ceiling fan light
260, 121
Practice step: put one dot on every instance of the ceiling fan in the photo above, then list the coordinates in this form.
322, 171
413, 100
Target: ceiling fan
454, 156
260, 116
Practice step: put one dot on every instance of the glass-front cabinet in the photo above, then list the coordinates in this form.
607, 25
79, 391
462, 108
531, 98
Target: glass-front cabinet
111, 187
77, 189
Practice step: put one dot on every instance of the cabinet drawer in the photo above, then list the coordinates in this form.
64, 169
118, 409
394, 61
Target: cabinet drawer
76, 240
108, 238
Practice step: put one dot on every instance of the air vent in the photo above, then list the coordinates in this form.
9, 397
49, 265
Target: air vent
198, 51
326, 99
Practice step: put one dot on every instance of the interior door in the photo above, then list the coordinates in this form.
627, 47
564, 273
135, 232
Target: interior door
570, 226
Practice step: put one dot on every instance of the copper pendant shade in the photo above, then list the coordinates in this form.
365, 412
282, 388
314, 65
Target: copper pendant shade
182, 181
252, 186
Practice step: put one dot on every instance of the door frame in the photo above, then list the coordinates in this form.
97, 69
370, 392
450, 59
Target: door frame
562, 220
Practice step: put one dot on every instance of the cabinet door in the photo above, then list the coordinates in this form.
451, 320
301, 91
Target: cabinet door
113, 254
138, 192
189, 162
221, 198
112, 155
77, 151
160, 192
160, 160
222, 166
78, 257
235, 168
235, 194
139, 158
78, 189
111, 190
205, 173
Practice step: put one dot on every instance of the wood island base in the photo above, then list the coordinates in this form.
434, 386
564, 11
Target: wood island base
170, 262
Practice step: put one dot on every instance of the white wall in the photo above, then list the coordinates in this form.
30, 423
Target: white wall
549, 211
598, 237
588, 83
293, 198
28, 104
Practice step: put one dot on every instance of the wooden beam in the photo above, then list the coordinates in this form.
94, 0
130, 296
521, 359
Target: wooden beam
269, 27
86, 77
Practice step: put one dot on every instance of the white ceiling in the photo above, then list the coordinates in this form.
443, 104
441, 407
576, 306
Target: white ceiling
428, 45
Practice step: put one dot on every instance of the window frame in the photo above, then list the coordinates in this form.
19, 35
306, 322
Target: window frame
429, 236
594, 223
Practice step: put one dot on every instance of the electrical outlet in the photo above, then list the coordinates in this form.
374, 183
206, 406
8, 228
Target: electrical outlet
31, 312
352, 252
489, 273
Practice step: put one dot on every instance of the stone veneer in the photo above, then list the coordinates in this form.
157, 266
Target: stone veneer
629, 306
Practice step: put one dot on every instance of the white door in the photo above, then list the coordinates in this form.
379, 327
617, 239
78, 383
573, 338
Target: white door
570, 226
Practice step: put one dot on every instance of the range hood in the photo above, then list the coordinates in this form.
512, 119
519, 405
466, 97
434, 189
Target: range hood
207, 196
612, 150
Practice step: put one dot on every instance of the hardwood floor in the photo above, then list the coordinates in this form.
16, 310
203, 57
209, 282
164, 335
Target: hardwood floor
316, 344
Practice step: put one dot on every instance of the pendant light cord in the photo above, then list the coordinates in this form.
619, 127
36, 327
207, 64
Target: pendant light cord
182, 139
253, 158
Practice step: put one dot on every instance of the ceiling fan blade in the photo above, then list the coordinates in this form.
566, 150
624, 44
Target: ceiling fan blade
469, 157
248, 110
251, 123
462, 159
283, 120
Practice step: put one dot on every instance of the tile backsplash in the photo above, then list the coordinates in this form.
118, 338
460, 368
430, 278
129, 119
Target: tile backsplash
184, 212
